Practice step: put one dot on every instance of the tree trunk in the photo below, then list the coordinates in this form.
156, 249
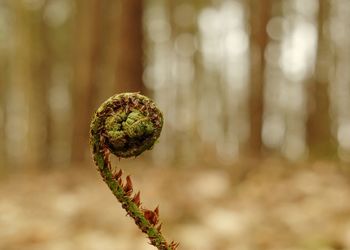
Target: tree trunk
129, 66
42, 74
3, 91
319, 135
28, 106
87, 48
259, 17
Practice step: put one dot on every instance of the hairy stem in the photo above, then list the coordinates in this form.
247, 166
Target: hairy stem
126, 125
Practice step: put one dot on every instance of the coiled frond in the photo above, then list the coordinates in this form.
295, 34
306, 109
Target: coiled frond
126, 125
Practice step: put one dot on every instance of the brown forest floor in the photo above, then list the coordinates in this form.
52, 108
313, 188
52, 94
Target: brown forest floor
238, 208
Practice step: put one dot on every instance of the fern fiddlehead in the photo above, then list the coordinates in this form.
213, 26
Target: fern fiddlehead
126, 125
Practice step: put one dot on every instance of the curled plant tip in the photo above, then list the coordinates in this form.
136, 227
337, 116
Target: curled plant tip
126, 125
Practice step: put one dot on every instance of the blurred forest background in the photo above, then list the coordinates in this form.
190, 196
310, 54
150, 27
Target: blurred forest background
233, 78
255, 94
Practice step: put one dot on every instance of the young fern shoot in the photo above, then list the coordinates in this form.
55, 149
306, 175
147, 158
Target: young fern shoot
126, 125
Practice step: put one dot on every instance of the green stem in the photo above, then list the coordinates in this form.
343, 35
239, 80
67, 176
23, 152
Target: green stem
126, 125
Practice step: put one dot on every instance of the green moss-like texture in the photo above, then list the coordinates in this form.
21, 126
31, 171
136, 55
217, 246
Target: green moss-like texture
129, 124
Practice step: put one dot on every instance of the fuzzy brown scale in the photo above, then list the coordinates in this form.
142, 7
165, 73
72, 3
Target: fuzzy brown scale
126, 125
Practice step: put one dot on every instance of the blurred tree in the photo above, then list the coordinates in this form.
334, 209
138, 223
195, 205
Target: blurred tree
129, 66
107, 76
57, 67
3, 93
2, 112
319, 135
259, 17
90, 41
42, 75
87, 44
28, 74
